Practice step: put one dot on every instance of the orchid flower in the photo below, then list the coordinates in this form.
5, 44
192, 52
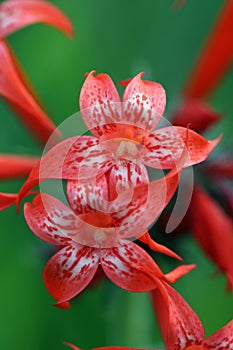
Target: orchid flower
181, 328
95, 231
122, 131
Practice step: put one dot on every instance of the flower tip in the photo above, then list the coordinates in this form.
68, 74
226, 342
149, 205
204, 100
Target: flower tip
65, 305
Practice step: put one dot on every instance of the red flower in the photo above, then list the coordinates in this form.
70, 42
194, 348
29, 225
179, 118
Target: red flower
122, 130
181, 328
94, 231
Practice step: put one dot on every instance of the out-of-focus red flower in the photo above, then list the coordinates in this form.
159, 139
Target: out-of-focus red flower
213, 230
197, 113
215, 57
181, 328
15, 15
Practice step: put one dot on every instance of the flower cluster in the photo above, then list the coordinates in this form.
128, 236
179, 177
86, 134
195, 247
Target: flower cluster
109, 200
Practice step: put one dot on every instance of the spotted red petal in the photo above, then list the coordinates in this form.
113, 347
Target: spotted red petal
89, 196
50, 219
197, 113
7, 199
212, 226
16, 14
215, 57
65, 160
179, 325
13, 89
146, 239
126, 207
69, 271
99, 104
153, 198
15, 166
143, 103
130, 267
221, 340
164, 147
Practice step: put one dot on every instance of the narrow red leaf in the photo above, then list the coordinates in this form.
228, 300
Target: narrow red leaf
215, 57
15, 14
15, 166
13, 89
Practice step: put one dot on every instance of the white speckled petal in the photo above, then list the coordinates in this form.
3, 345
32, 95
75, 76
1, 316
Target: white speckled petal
130, 267
221, 340
69, 271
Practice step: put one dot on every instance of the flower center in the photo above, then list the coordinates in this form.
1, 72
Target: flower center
127, 148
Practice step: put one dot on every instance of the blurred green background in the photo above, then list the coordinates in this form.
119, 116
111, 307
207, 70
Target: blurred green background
120, 38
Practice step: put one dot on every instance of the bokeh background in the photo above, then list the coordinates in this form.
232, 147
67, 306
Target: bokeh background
120, 38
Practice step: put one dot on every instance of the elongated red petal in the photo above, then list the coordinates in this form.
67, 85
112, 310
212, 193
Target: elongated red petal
221, 340
164, 147
15, 166
213, 229
215, 57
49, 219
179, 272
197, 113
144, 103
99, 104
65, 160
7, 199
15, 15
146, 239
126, 266
179, 325
13, 89
69, 271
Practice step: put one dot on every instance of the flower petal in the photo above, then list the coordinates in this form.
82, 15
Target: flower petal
72, 346
15, 166
146, 239
65, 160
143, 103
152, 197
69, 271
213, 230
48, 219
215, 57
99, 104
221, 340
13, 89
7, 199
179, 325
197, 113
89, 196
15, 15
130, 267
164, 147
